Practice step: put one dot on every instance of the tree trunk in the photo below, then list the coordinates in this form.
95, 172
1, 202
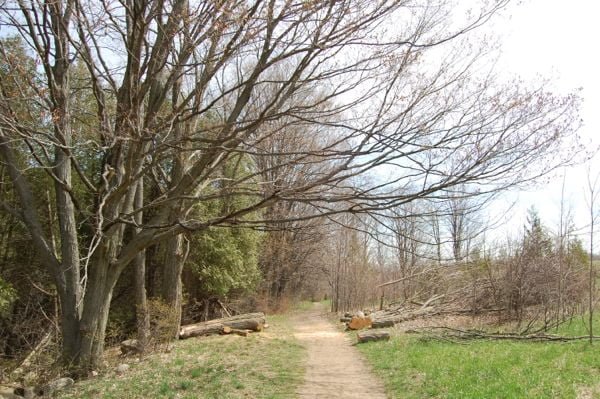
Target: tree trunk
175, 255
141, 303
101, 281
70, 328
69, 270
171, 283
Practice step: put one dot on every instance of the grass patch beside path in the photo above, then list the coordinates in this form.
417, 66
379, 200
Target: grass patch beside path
414, 368
262, 365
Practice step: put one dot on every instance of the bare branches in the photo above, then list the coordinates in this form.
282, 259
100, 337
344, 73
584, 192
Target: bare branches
322, 107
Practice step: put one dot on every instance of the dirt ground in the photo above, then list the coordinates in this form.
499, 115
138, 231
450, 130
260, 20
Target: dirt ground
334, 369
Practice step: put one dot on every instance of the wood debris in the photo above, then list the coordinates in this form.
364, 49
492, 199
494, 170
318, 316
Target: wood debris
239, 324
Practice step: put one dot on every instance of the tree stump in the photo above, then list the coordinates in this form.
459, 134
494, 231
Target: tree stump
358, 323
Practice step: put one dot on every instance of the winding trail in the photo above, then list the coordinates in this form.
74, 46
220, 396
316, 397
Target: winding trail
334, 369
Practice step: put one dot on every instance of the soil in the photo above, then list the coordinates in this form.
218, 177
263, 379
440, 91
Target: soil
334, 369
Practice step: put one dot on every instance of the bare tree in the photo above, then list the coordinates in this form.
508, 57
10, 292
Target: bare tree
408, 241
592, 196
352, 274
461, 212
290, 243
179, 88
436, 235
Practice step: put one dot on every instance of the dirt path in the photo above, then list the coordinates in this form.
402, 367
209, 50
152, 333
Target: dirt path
334, 369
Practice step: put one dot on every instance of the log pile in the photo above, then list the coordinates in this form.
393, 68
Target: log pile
390, 316
239, 325
407, 311
437, 305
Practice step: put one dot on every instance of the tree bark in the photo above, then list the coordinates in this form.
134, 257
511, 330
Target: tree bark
101, 281
69, 246
141, 302
171, 284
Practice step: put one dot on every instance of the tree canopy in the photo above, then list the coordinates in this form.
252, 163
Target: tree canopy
352, 106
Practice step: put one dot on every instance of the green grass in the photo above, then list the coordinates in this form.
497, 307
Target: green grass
263, 365
579, 326
308, 305
415, 368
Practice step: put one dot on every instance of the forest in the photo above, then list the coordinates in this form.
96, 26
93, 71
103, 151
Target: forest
168, 162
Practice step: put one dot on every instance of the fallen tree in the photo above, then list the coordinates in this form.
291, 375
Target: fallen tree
437, 305
449, 334
248, 321
392, 320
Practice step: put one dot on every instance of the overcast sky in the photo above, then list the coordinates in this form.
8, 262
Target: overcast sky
559, 40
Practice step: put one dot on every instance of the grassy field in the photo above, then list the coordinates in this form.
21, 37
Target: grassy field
264, 365
414, 368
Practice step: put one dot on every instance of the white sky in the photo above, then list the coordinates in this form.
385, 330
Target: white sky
558, 40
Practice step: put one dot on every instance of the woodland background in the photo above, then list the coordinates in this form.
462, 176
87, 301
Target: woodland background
164, 162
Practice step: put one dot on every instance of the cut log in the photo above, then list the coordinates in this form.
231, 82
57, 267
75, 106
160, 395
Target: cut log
248, 324
382, 324
228, 330
198, 330
358, 323
232, 318
367, 336
250, 321
390, 318
345, 319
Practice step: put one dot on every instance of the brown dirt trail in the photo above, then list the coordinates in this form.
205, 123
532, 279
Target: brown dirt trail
334, 369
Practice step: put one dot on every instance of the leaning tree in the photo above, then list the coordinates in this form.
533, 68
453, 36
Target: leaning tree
166, 93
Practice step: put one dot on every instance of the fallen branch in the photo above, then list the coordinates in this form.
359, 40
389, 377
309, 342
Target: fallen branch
29, 359
454, 333
224, 308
